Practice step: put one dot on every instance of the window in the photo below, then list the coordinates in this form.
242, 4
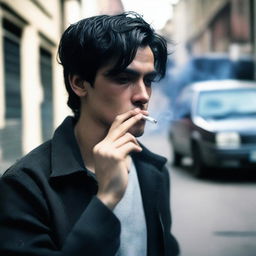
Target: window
11, 134
47, 104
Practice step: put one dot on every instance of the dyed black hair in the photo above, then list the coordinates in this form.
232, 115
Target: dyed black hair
94, 42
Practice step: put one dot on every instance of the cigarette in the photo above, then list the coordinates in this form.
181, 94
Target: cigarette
150, 119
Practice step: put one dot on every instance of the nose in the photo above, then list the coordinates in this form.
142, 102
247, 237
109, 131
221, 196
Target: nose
141, 94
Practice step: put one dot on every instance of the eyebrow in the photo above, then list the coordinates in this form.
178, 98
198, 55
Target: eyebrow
132, 72
136, 73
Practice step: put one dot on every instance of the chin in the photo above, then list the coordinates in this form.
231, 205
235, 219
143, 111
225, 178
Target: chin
137, 131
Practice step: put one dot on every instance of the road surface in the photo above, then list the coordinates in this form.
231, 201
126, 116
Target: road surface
211, 217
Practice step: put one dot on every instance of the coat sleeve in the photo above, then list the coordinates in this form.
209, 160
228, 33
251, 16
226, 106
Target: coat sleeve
171, 244
25, 225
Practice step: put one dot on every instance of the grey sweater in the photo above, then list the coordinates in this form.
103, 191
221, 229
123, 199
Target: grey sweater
130, 212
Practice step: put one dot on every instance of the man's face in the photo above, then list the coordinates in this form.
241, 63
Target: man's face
113, 95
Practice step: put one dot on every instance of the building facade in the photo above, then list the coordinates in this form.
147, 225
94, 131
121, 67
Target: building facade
219, 26
32, 92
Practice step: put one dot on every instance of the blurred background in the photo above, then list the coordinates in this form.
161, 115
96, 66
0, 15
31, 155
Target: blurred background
208, 40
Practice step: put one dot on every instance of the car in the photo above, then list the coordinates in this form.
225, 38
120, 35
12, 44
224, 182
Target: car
215, 124
211, 66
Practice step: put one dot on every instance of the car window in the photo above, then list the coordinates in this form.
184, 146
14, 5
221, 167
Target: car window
220, 104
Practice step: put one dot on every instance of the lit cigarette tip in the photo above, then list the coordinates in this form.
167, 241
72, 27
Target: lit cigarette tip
150, 119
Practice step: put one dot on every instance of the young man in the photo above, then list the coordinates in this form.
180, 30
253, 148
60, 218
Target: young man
94, 189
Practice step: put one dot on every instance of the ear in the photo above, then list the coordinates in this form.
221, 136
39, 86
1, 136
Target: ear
78, 85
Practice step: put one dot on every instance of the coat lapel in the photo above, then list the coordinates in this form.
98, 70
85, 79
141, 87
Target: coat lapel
150, 181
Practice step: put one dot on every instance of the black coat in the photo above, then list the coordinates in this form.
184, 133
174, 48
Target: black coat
48, 205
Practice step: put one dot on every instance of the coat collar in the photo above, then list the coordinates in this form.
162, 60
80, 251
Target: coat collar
65, 154
149, 157
149, 166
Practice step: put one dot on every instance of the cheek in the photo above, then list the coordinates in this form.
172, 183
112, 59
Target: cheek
112, 104
117, 97
107, 104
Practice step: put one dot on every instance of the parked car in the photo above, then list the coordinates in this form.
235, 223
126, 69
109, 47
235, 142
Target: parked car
215, 124
214, 66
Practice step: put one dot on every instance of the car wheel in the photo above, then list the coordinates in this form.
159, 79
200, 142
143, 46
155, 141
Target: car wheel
176, 160
198, 168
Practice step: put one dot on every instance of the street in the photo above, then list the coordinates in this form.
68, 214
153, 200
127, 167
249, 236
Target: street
213, 216
51, 52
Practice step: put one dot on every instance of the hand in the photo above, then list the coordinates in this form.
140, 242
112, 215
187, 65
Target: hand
110, 158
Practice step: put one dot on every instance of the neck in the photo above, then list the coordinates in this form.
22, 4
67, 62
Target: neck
88, 134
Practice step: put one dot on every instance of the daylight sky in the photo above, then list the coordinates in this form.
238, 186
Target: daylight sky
156, 12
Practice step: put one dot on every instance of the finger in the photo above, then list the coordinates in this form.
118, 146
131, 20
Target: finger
123, 117
127, 148
124, 127
127, 137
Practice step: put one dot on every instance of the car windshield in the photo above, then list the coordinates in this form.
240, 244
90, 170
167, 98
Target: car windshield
221, 104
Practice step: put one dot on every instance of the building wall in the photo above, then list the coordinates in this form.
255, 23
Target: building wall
200, 14
39, 24
32, 92
204, 26
111, 7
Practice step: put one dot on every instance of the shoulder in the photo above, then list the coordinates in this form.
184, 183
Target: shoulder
24, 184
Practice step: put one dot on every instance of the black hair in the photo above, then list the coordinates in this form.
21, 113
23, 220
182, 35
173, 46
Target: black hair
93, 42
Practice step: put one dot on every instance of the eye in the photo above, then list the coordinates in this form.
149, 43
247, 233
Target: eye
149, 80
122, 79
